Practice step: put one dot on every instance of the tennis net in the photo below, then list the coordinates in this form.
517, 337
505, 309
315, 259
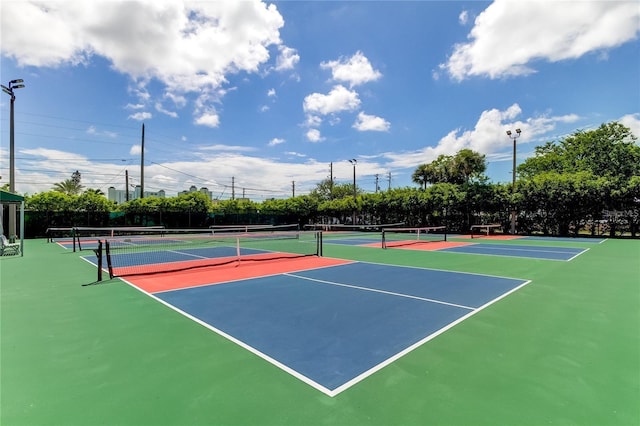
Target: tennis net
397, 237
172, 250
340, 232
88, 236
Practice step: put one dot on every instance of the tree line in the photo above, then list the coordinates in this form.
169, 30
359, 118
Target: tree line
586, 182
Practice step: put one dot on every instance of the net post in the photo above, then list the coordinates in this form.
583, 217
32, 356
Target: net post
238, 249
384, 240
98, 252
445, 233
109, 264
73, 236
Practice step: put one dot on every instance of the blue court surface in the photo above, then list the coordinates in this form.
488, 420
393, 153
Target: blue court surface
512, 250
332, 327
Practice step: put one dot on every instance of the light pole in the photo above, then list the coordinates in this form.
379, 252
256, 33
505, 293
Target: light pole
13, 84
355, 192
513, 177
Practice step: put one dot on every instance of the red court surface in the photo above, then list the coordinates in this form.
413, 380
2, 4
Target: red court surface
231, 272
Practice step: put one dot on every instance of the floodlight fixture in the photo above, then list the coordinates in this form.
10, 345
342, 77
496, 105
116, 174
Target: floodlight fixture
513, 177
13, 84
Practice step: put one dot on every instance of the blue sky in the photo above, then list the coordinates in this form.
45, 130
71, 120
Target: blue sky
254, 96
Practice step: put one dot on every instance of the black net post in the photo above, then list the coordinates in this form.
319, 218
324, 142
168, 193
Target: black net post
108, 253
98, 252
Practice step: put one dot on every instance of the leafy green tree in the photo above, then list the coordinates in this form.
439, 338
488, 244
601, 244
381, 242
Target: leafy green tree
52, 201
562, 202
608, 151
326, 190
95, 206
49, 209
585, 174
94, 202
456, 169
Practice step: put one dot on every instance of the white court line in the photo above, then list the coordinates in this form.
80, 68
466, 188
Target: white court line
408, 296
416, 345
533, 250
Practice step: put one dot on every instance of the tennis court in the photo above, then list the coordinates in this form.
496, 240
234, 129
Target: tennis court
511, 250
279, 310
358, 335
333, 326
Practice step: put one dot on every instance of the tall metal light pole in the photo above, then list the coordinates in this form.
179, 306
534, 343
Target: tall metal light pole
355, 192
513, 184
13, 84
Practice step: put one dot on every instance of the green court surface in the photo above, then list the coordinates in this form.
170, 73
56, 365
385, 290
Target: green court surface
562, 350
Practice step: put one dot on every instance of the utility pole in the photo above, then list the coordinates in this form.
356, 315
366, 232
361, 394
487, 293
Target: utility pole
126, 185
293, 188
377, 187
142, 165
233, 187
389, 181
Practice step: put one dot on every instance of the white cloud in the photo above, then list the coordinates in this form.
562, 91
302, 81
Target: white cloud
209, 119
313, 135
223, 148
339, 99
632, 121
463, 18
295, 154
355, 70
271, 92
287, 59
92, 130
166, 41
135, 150
134, 106
509, 35
313, 121
213, 171
487, 137
276, 141
366, 122
141, 116
164, 111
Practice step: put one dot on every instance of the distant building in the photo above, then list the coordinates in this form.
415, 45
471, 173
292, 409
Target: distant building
193, 188
120, 195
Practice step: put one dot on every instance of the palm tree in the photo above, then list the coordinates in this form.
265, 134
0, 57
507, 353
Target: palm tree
422, 175
69, 187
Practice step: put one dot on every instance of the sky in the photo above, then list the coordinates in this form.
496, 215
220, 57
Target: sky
267, 99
